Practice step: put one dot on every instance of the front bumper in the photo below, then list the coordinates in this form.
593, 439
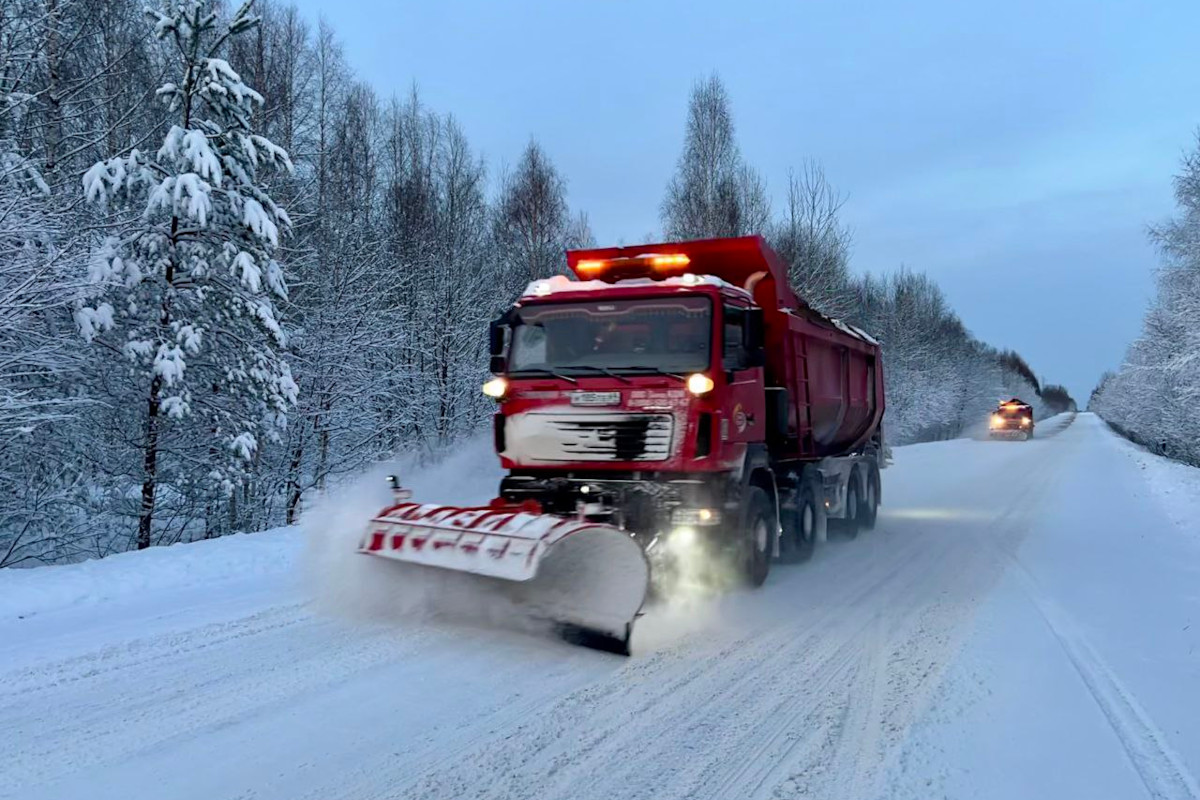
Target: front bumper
1011, 433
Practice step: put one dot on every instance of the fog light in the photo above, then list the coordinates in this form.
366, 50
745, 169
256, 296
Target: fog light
683, 537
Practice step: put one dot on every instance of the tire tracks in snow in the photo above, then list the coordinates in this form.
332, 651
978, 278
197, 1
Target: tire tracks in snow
1158, 766
843, 696
864, 669
282, 653
1163, 773
685, 751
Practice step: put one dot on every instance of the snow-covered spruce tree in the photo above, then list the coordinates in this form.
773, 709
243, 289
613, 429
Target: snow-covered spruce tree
187, 292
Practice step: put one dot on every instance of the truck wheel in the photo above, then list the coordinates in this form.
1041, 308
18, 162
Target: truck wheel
800, 528
848, 525
869, 509
757, 528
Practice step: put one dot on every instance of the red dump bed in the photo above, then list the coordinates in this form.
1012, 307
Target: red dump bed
832, 372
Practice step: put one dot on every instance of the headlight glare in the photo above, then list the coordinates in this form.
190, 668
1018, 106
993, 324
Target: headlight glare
495, 388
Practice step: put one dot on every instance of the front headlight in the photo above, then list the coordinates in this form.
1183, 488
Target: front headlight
495, 388
997, 420
699, 384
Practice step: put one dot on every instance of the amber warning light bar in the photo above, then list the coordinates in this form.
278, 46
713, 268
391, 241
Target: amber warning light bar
644, 265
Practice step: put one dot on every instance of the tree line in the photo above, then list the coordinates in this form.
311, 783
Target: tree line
941, 380
231, 273
1151, 398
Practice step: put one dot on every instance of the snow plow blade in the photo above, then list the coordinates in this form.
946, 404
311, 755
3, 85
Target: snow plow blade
588, 578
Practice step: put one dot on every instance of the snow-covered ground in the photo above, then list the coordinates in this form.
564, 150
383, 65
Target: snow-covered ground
1022, 624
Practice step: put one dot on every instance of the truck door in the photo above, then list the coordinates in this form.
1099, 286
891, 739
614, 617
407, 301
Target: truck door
743, 417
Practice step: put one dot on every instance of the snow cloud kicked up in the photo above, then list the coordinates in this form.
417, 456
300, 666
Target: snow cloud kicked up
347, 583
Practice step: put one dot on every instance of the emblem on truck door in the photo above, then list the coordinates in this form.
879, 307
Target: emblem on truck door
595, 398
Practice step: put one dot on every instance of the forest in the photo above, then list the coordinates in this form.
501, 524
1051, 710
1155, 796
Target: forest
233, 274
1151, 398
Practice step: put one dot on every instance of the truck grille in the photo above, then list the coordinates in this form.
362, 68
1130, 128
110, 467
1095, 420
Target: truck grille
590, 437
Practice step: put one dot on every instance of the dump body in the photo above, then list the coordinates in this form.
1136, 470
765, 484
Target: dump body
833, 378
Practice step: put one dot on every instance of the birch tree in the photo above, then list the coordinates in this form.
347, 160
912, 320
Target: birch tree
531, 225
713, 192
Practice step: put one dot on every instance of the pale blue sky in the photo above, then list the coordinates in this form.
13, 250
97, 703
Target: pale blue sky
1014, 150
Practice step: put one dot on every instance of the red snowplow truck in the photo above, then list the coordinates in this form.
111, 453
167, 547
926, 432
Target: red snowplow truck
1012, 419
674, 414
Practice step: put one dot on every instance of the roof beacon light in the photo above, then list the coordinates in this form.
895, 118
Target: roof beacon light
591, 266
670, 261
656, 262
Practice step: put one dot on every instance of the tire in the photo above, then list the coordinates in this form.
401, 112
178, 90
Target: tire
868, 509
757, 526
800, 529
848, 525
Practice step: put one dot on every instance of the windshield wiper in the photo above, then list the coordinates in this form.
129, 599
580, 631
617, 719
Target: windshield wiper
652, 371
541, 371
605, 370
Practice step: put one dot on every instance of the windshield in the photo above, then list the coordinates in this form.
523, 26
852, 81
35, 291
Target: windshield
667, 334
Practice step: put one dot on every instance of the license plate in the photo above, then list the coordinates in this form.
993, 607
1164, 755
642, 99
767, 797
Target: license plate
595, 398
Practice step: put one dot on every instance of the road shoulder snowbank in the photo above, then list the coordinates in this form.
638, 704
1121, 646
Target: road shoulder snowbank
24, 592
1173, 484
468, 474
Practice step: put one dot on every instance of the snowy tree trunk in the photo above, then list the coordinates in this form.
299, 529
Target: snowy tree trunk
145, 532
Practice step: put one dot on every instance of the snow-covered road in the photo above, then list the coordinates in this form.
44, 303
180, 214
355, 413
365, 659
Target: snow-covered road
1024, 623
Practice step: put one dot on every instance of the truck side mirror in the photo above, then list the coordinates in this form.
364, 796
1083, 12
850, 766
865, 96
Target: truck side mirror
496, 345
755, 338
